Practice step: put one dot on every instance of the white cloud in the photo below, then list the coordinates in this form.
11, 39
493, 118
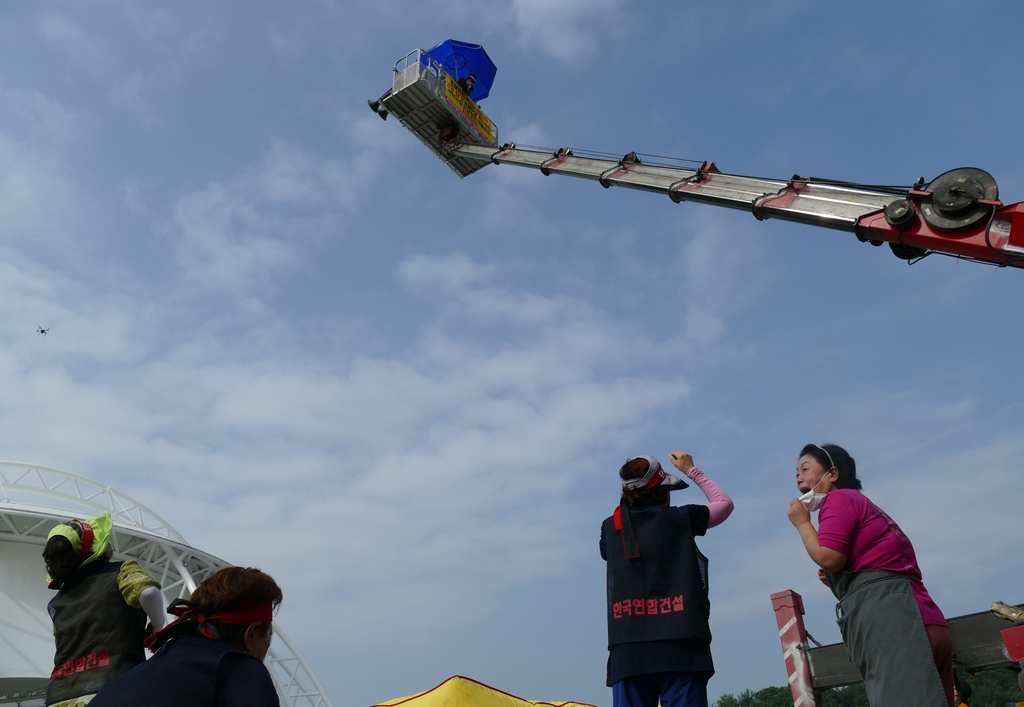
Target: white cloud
288, 43
153, 24
227, 243
133, 91
241, 233
444, 472
86, 50
291, 176
719, 277
132, 54
39, 122
451, 273
37, 190
955, 508
562, 29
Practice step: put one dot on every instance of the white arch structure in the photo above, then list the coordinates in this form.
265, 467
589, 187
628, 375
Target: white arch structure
35, 498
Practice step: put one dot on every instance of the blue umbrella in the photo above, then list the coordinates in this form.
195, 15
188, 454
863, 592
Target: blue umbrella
460, 60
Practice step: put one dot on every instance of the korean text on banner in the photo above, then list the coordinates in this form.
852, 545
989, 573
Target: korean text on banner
469, 110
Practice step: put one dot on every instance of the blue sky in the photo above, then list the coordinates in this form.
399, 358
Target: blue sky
289, 329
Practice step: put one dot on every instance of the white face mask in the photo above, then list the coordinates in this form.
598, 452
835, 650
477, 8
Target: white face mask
813, 500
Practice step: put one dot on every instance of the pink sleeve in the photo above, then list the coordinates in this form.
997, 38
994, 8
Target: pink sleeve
837, 522
719, 504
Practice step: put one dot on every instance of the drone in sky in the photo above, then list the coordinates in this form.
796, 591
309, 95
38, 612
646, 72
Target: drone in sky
44, 332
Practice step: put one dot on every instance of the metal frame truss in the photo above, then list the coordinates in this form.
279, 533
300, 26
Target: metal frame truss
35, 498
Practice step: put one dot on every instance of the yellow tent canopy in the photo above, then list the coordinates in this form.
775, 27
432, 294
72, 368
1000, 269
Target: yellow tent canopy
458, 691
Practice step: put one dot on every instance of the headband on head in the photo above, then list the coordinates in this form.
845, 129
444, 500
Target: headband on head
191, 617
88, 538
655, 476
833, 464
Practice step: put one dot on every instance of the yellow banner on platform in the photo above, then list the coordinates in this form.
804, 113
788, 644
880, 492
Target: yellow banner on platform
468, 109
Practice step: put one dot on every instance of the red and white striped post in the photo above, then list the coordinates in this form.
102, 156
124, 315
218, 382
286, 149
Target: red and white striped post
789, 613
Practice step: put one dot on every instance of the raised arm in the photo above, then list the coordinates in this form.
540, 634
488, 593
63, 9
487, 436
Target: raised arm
152, 602
719, 504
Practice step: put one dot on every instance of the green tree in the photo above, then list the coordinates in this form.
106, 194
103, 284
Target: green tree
768, 697
993, 688
849, 696
852, 696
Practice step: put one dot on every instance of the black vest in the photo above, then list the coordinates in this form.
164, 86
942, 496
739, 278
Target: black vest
188, 671
663, 594
98, 635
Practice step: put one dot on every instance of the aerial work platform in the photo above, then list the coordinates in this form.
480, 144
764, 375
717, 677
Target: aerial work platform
430, 99
957, 214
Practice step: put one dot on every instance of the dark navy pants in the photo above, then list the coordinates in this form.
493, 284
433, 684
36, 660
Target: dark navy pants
674, 690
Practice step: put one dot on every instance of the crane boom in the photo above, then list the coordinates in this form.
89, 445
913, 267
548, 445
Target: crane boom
957, 214
824, 204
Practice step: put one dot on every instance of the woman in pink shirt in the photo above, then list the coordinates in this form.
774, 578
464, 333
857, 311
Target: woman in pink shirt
893, 631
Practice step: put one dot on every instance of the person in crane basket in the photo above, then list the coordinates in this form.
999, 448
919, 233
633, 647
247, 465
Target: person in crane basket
99, 612
467, 84
659, 641
895, 634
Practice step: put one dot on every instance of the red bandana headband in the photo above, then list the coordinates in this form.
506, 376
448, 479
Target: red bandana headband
87, 538
655, 475
189, 615
245, 615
